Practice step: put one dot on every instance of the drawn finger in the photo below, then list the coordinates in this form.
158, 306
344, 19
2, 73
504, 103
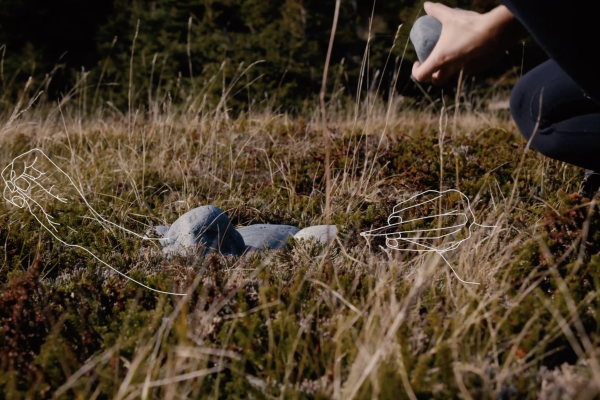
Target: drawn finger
429, 226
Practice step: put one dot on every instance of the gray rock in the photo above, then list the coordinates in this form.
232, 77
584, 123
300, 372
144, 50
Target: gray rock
207, 225
264, 236
424, 35
318, 233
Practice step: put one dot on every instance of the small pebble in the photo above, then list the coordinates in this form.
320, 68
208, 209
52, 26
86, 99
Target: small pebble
318, 233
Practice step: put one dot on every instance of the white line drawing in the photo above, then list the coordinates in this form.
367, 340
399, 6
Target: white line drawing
416, 239
18, 191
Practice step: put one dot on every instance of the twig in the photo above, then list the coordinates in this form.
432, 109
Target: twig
326, 133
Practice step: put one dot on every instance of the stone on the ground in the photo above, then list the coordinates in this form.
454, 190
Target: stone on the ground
318, 233
266, 236
207, 225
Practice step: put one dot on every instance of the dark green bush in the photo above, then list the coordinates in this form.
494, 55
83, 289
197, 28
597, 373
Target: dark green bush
182, 44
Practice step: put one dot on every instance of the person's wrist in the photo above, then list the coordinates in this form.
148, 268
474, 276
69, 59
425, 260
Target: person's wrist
502, 27
497, 20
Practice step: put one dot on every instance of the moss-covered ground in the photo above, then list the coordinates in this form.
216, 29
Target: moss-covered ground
364, 322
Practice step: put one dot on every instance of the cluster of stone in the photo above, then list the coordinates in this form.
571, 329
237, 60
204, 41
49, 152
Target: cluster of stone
210, 228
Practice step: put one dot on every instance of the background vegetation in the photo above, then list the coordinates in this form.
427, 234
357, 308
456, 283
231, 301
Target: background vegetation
369, 324
179, 44
148, 140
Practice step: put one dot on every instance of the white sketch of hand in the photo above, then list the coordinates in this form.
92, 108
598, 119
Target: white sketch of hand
425, 222
34, 182
25, 186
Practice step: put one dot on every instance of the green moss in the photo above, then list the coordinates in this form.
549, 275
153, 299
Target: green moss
59, 308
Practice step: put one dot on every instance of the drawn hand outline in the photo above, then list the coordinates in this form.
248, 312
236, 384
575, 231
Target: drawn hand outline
19, 191
396, 239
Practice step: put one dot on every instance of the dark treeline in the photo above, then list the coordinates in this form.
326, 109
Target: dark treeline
187, 48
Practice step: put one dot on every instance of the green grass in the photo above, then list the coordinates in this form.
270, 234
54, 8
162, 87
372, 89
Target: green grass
366, 323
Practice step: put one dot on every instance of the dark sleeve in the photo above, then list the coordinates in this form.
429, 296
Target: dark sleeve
569, 32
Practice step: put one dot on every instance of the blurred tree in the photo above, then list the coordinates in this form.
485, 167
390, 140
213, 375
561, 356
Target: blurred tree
191, 50
39, 35
186, 43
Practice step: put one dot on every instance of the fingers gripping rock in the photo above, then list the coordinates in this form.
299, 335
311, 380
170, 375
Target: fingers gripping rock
424, 35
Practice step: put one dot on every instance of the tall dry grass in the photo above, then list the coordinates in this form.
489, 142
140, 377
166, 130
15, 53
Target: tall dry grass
369, 323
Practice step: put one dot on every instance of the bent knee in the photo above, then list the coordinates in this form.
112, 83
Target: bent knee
548, 144
523, 111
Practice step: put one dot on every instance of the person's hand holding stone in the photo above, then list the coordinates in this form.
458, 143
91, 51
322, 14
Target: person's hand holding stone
469, 41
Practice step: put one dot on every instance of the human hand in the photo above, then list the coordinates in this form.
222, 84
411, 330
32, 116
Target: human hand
469, 41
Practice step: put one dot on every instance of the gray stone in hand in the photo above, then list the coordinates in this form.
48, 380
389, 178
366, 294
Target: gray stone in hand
424, 35
318, 233
265, 236
207, 225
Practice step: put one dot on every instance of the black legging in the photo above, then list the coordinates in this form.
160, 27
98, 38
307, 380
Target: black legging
569, 83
